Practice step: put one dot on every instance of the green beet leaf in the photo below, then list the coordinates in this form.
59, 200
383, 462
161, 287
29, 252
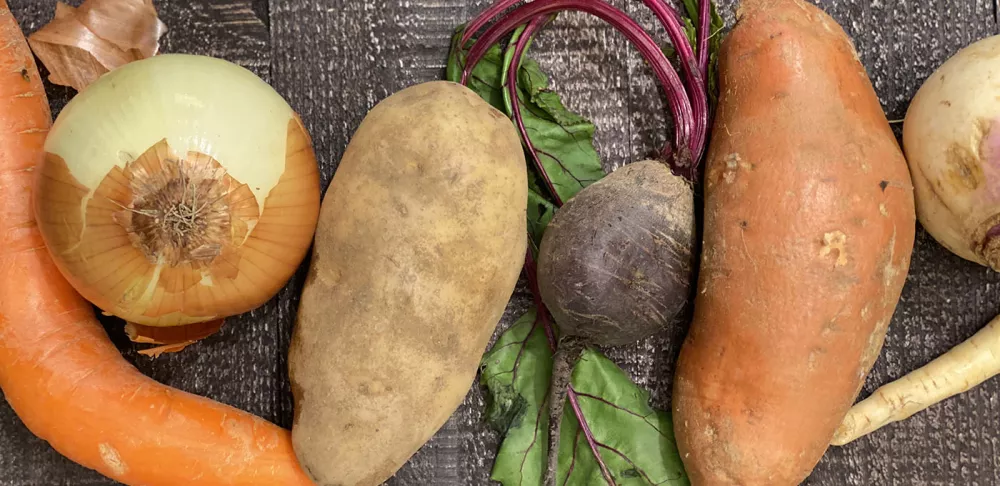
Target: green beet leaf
564, 140
715, 28
540, 213
516, 374
485, 78
635, 441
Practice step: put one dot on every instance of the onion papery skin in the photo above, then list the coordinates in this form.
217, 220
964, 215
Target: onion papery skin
178, 189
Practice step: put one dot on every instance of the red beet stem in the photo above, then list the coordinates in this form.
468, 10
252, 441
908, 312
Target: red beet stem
542, 312
591, 441
483, 18
680, 105
511, 84
694, 76
704, 23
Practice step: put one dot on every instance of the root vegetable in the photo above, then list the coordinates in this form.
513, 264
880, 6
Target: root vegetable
58, 369
616, 262
960, 369
809, 226
952, 144
420, 244
178, 189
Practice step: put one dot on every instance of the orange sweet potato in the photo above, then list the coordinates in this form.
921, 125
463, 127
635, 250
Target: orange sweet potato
809, 226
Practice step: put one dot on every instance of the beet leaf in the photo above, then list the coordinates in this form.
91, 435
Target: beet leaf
635, 441
540, 213
716, 26
563, 140
485, 79
646, 455
516, 374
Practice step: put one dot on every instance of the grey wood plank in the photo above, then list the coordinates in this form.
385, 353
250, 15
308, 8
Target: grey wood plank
333, 59
244, 365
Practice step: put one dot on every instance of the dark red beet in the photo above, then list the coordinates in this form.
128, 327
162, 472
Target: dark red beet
616, 263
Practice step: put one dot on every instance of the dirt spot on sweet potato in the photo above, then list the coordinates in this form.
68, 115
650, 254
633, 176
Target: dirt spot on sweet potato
734, 163
814, 356
829, 328
834, 244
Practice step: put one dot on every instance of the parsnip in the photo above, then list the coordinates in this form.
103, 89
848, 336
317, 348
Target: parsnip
956, 371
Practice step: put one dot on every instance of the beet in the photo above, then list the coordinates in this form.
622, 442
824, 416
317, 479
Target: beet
616, 263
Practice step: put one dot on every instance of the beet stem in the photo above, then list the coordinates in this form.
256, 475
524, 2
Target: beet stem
542, 312
704, 23
694, 76
591, 441
484, 18
680, 104
511, 84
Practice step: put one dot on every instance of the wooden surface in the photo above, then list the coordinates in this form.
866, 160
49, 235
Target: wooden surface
334, 59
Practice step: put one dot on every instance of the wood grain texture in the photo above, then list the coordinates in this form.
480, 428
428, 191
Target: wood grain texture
334, 59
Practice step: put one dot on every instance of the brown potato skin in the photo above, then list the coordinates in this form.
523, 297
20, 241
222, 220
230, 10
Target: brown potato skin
420, 243
809, 226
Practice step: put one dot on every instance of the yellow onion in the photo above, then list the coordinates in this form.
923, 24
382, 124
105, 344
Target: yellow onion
178, 189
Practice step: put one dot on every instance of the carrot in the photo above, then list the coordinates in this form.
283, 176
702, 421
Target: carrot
58, 369
808, 228
956, 371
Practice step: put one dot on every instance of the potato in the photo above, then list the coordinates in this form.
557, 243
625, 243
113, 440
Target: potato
421, 239
809, 226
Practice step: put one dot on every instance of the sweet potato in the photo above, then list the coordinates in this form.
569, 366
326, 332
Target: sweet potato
419, 246
809, 226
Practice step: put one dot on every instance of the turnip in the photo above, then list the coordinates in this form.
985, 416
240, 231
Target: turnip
952, 145
953, 150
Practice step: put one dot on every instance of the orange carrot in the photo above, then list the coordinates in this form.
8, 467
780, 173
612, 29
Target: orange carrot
59, 370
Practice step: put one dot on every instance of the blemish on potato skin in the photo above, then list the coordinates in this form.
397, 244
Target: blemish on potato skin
883, 210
